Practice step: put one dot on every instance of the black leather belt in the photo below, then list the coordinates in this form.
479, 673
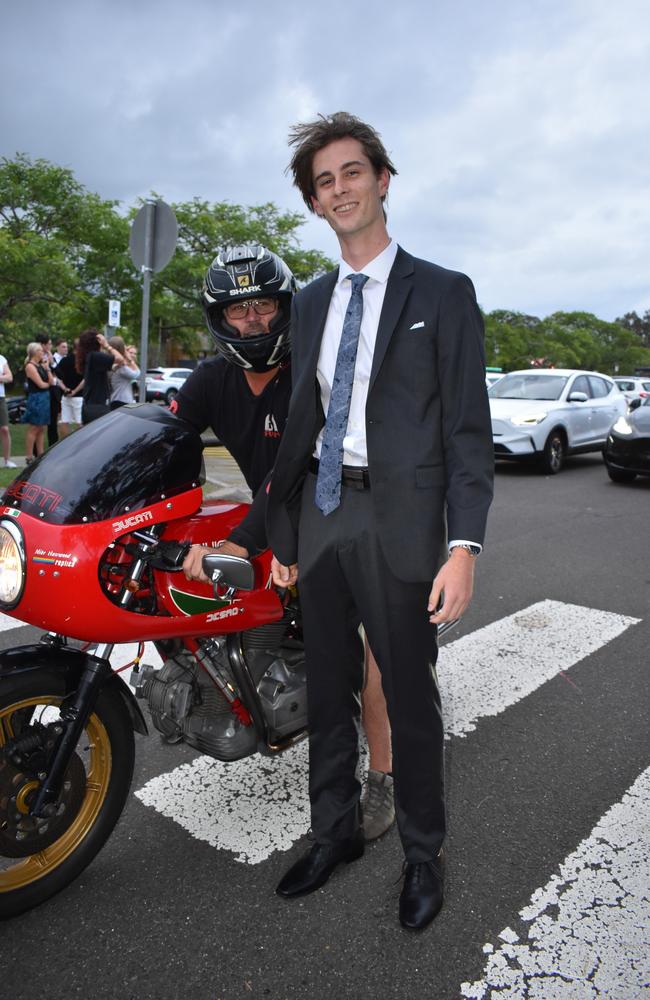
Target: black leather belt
351, 475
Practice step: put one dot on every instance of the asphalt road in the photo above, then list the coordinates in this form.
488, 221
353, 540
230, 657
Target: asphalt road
546, 681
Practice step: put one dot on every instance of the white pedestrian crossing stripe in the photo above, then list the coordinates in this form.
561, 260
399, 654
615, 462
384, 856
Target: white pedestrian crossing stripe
588, 932
6, 623
259, 805
251, 807
496, 666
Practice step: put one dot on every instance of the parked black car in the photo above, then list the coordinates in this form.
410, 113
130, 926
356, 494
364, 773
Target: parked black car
627, 448
16, 408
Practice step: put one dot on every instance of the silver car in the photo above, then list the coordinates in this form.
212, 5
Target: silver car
164, 383
546, 414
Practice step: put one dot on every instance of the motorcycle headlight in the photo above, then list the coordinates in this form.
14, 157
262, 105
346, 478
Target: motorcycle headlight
529, 419
12, 564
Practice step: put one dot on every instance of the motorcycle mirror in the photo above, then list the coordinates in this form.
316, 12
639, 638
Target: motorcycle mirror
230, 571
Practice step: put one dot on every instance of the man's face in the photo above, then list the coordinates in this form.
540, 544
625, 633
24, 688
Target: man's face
62, 348
348, 191
247, 320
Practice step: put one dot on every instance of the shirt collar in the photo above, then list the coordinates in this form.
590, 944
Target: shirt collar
378, 268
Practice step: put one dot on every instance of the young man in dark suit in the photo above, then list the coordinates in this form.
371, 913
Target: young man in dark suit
387, 453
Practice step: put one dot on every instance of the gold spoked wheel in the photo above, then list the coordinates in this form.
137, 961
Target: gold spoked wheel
80, 803
40, 856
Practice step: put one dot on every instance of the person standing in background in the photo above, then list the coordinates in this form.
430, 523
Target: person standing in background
39, 379
5, 377
123, 376
55, 389
61, 350
94, 360
72, 384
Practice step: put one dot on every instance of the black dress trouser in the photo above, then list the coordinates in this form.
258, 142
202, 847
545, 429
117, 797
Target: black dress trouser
344, 580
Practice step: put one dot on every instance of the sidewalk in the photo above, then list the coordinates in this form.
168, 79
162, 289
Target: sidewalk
223, 478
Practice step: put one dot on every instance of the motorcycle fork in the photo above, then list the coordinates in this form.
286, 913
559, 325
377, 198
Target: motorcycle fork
75, 710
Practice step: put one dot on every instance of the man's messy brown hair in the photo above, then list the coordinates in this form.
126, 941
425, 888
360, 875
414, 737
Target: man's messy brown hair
310, 137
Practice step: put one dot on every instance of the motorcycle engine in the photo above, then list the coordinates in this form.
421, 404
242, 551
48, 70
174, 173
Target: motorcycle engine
185, 703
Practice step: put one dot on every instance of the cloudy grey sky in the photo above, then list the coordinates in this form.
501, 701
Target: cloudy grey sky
521, 130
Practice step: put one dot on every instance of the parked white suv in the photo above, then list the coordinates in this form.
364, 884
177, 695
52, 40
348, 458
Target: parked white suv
633, 387
164, 383
548, 413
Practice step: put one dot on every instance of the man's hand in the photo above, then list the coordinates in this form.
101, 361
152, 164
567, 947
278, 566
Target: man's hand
454, 583
283, 576
192, 564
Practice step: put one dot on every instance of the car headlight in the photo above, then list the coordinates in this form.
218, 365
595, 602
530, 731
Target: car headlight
529, 419
12, 564
622, 426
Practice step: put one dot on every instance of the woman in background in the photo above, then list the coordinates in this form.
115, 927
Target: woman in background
38, 378
94, 359
124, 375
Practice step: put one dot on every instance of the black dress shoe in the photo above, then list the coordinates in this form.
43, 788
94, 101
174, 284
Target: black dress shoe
421, 896
314, 868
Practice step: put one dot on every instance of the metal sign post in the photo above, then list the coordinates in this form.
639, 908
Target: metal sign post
152, 243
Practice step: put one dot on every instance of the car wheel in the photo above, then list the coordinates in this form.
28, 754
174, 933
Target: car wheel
620, 475
552, 458
171, 395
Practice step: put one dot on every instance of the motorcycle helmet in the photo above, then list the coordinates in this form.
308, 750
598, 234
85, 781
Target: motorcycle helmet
249, 271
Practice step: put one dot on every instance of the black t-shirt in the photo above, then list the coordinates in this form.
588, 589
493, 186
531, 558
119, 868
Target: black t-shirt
67, 372
217, 395
98, 365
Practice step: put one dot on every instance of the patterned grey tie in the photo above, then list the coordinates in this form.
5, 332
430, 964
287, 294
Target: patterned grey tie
328, 484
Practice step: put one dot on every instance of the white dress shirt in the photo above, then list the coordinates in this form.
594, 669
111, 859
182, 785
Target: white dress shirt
354, 443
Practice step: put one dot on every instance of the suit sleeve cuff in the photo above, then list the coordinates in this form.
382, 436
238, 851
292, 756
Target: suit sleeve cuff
464, 541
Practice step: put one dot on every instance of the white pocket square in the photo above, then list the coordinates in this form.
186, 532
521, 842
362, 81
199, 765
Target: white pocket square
417, 326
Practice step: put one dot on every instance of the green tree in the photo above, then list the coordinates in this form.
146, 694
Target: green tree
638, 324
512, 339
62, 253
581, 340
565, 340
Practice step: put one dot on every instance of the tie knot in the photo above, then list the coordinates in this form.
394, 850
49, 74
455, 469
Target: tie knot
357, 281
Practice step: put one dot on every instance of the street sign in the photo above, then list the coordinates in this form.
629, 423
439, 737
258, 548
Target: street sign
153, 236
114, 307
151, 244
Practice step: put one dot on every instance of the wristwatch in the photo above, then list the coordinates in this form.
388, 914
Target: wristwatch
474, 550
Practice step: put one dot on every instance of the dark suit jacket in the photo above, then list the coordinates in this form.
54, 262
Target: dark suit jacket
430, 450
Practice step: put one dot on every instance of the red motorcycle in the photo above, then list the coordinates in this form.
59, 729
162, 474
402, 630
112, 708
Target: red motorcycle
92, 539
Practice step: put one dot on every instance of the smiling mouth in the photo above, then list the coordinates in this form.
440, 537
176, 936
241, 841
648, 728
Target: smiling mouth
343, 209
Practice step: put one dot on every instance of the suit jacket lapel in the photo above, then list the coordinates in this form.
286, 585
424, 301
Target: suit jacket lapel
315, 302
315, 317
397, 291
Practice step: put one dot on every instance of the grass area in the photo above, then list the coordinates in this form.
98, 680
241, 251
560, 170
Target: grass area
7, 476
17, 434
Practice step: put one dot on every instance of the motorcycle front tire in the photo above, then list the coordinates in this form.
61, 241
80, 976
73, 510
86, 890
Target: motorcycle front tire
102, 786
